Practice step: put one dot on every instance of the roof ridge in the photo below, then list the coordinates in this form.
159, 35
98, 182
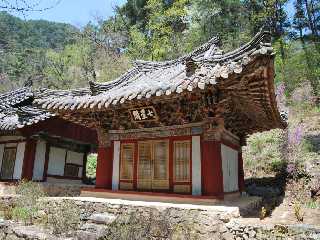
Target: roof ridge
213, 42
97, 87
261, 39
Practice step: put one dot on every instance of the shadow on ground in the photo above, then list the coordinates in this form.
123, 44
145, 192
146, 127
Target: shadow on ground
314, 140
270, 189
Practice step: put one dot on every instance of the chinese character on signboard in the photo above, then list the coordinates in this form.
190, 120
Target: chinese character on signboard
143, 114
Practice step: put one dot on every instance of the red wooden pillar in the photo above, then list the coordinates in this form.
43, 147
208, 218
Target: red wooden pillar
28, 160
104, 167
240, 171
211, 168
84, 168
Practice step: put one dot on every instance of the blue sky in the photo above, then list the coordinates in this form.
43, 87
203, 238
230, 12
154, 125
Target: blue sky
76, 12
80, 12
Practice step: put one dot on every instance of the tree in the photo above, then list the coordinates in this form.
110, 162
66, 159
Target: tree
24, 6
301, 24
225, 19
162, 36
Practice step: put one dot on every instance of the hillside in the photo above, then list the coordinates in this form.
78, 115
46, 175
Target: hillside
24, 46
17, 33
283, 166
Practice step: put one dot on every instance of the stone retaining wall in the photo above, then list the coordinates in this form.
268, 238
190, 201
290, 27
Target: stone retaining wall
241, 231
51, 189
120, 219
156, 220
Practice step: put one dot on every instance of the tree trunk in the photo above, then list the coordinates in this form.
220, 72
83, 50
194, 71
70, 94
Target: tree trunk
310, 72
309, 15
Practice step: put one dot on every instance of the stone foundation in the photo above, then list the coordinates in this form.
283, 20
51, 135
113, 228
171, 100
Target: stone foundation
52, 189
63, 190
138, 220
240, 231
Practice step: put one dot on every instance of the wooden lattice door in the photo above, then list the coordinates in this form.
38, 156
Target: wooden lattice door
153, 169
8, 162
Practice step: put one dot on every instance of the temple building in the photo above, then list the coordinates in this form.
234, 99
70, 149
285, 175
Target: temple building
37, 145
178, 126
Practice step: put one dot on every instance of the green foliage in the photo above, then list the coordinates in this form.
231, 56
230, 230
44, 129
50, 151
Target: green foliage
30, 191
61, 56
312, 204
34, 33
226, 19
162, 36
23, 214
139, 226
27, 204
91, 166
23, 47
263, 153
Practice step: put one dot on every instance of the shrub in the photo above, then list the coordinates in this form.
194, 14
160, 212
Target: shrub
23, 214
62, 216
263, 153
298, 212
138, 226
27, 205
91, 165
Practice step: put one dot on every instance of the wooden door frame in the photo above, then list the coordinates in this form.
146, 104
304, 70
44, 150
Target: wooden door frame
152, 143
138, 162
167, 141
15, 158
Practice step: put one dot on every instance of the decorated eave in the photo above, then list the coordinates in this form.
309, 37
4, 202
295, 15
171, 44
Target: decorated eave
240, 83
17, 110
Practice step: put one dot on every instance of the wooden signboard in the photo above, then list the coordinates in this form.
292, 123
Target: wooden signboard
143, 114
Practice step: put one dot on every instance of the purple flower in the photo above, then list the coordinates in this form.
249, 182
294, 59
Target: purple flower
280, 90
295, 137
291, 168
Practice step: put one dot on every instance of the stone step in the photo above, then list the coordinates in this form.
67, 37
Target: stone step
86, 235
94, 228
102, 218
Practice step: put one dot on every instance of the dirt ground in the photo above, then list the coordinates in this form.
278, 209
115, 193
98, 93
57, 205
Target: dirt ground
284, 214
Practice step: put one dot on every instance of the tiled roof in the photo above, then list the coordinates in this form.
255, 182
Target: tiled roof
147, 79
17, 111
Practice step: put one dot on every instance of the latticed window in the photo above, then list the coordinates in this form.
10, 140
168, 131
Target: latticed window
8, 162
182, 161
160, 160
145, 160
127, 156
71, 170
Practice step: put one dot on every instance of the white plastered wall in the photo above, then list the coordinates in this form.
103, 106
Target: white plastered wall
116, 165
196, 166
56, 161
230, 168
19, 160
39, 161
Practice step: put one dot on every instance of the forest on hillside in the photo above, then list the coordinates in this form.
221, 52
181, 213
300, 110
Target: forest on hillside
59, 55
282, 166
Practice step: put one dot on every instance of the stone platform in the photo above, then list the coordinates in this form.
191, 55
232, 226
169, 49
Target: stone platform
234, 202
53, 189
